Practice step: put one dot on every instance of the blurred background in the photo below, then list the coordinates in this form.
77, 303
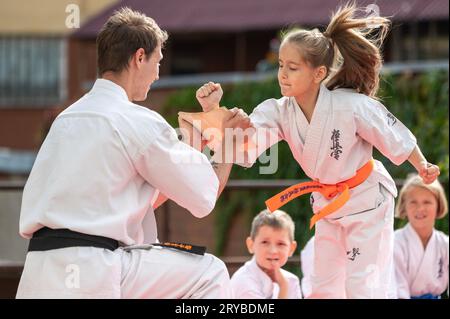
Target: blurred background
48, 60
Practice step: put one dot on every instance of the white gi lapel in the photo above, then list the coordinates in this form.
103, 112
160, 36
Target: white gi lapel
426, 269
415, 252
314, 136
301, 123
264, 279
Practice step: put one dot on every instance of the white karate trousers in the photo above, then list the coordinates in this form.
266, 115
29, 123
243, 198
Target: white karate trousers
88, 272
354, 253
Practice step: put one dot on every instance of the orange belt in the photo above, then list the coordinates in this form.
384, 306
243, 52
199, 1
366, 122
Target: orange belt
327, 190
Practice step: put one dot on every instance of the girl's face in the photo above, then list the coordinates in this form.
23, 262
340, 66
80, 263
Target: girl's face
295, 77
421, 207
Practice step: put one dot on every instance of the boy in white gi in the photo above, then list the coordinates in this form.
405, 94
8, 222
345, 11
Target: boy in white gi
271, 242
421, 252
104, 167
331, 119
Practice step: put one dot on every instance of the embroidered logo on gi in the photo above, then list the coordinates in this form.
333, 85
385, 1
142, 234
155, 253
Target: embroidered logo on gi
288, 194
441, 268
336, 148
353, 253
391, 119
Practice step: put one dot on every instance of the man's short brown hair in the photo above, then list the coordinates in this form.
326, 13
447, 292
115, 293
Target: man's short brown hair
123, 34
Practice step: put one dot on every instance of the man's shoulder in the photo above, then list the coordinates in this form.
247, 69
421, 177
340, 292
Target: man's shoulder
130, 119
110, 107
143, 111
143, 119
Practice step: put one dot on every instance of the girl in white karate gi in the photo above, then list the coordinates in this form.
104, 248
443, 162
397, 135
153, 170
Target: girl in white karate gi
421, 252
331, 119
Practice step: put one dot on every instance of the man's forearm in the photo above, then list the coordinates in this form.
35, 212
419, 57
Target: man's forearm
222, 171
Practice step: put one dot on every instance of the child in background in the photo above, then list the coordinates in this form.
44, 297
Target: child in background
271, 241
421, 252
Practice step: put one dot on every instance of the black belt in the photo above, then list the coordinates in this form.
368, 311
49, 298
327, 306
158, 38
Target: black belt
48, 239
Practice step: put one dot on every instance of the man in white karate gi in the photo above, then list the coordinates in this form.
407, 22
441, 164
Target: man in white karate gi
104, 167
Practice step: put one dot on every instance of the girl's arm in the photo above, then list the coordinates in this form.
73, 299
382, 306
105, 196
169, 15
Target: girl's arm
209, 96
429, 172
263, 129
392, 138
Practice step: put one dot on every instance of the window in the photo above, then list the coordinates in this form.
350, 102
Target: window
32, 71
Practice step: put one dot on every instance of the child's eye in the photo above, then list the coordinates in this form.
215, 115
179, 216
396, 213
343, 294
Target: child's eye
281, 244
293, 69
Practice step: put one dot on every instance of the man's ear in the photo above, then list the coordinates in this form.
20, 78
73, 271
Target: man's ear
249, 242
320, 74
139, 57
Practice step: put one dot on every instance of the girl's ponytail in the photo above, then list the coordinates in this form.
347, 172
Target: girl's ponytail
357, 58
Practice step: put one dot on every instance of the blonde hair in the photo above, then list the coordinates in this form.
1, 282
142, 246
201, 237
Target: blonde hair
349, 49
435, 188
278, 220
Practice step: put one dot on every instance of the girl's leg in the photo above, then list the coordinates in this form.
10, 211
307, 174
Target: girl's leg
328, 279
369, 250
